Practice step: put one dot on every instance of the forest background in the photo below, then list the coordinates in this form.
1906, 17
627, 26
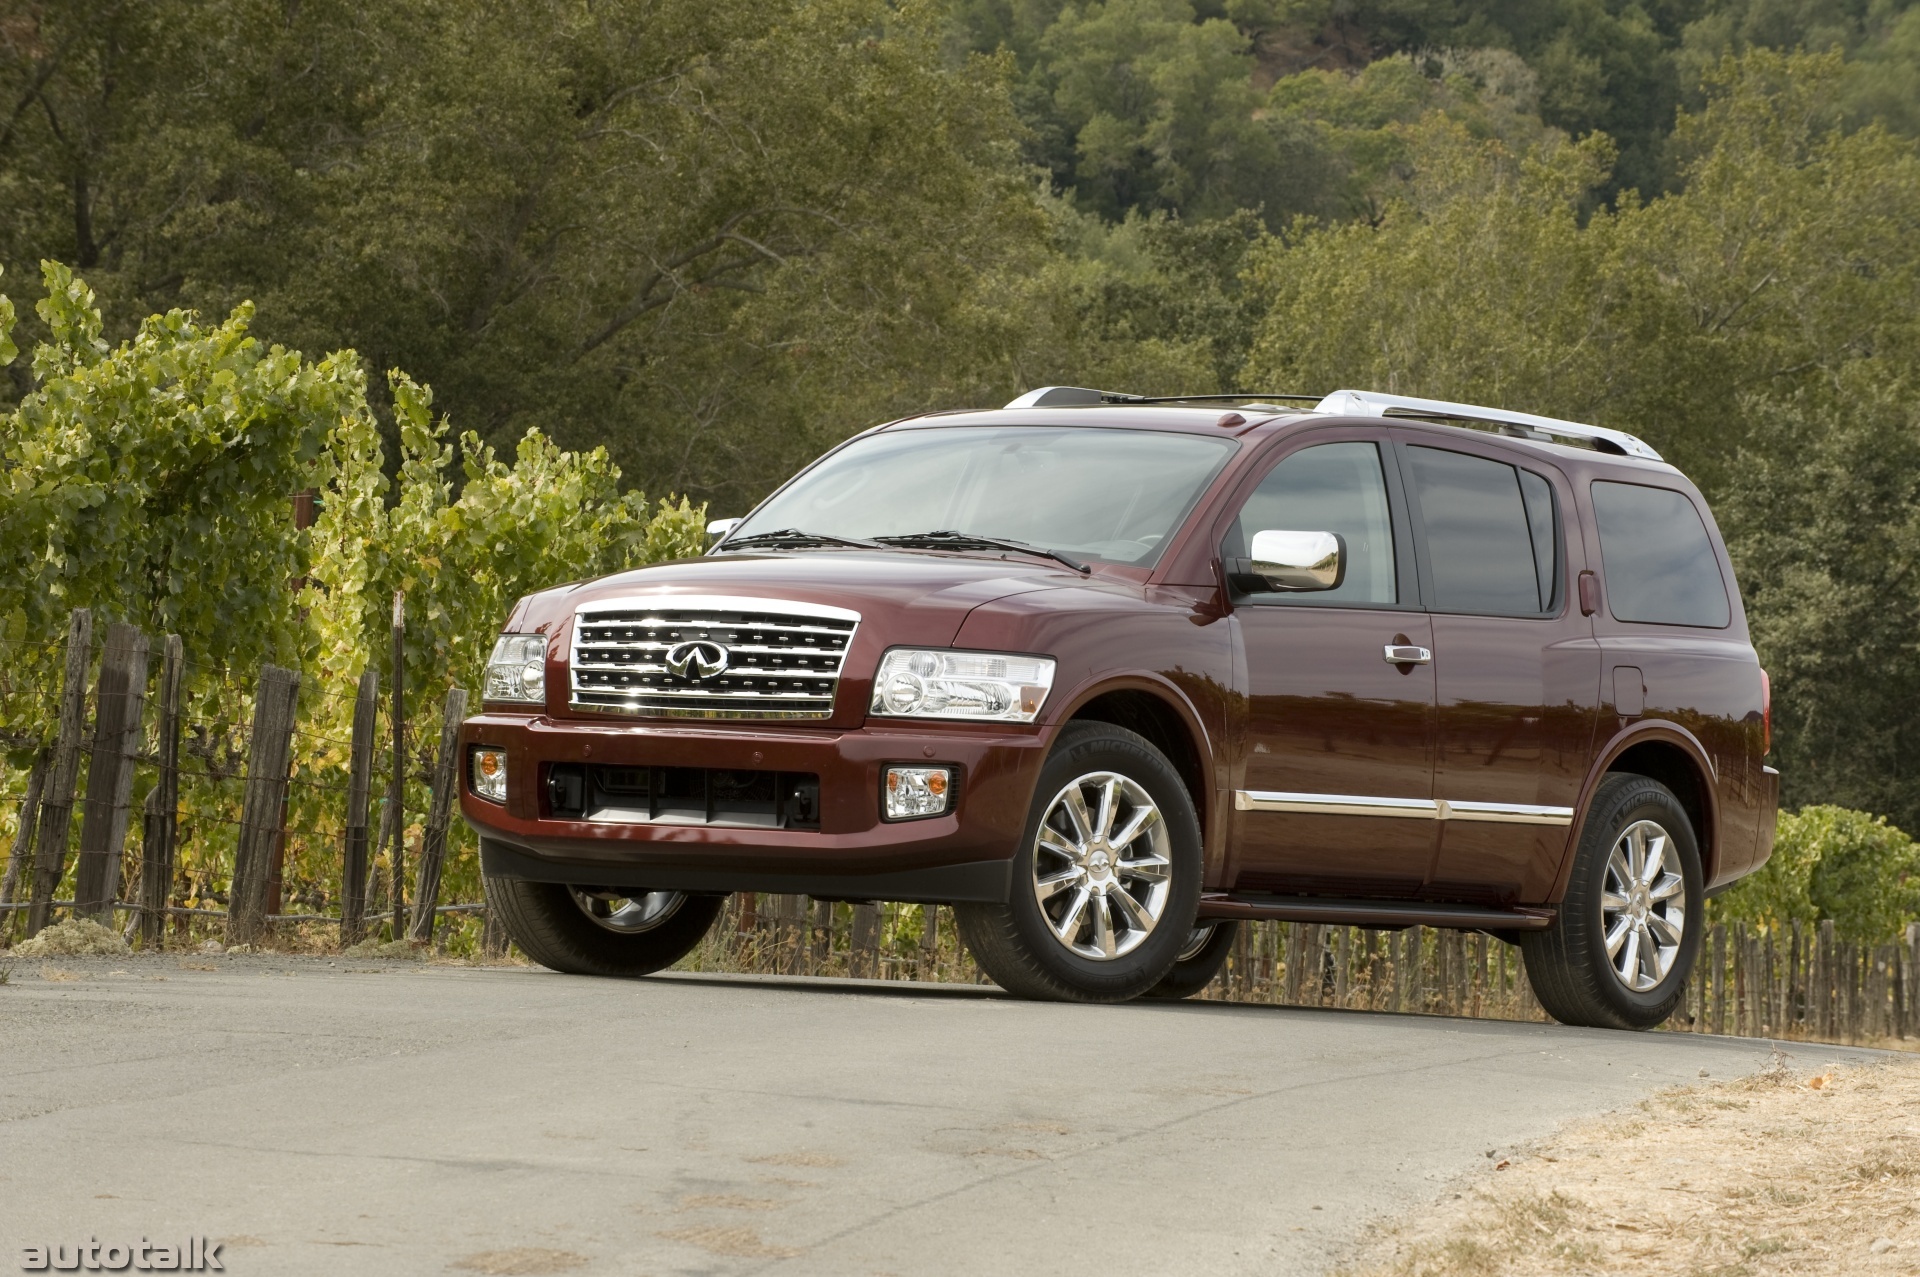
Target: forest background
682, 246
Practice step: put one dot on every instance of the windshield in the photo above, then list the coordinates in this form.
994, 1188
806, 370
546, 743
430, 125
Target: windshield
1112, 495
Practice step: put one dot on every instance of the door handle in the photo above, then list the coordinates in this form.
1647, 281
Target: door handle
1408, 654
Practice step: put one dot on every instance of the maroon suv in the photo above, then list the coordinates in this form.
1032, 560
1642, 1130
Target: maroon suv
1108, 675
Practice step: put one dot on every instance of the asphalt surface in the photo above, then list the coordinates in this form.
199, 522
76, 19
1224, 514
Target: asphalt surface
327, 1116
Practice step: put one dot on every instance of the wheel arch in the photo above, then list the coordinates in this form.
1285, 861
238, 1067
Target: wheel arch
1670, 754
1167, 721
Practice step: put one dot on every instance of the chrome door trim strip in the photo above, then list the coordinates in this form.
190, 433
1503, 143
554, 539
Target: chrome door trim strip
1335, 804
1414, 808
1506, 813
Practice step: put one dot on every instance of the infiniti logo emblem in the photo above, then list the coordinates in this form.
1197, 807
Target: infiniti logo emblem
698, 660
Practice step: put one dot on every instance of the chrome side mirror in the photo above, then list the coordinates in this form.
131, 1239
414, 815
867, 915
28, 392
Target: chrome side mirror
1290, 562
720, 527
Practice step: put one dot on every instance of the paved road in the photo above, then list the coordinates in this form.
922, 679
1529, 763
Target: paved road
337, 1116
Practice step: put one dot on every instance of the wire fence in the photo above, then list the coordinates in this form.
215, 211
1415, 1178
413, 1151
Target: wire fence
1796, 984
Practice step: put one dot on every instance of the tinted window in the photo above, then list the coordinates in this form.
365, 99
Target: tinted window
1659, 561
1489, 546
1099, 494
1332, 487
1538, 494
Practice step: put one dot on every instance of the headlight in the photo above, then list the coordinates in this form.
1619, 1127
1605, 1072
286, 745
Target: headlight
517, 670
992, 686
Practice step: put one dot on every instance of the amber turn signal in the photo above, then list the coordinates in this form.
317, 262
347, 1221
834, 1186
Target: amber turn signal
913, 792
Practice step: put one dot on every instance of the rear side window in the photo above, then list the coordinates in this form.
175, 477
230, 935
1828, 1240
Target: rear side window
1490, 534
1659, 561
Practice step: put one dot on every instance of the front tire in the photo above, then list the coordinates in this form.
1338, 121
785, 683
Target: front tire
1619, 951
1107, 879
600, 931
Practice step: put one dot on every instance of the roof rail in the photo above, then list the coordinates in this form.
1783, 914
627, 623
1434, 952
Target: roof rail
1079, 396
1368, 403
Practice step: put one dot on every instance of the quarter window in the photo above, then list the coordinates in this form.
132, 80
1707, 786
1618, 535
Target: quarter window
1660, 565
1331, 487
1490, 534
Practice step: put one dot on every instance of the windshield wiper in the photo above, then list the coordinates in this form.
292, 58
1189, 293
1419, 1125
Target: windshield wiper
948, 539
795, 537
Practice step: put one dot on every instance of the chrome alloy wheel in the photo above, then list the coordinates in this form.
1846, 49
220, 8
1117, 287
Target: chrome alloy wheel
1102, 866
624, 913
1643, 906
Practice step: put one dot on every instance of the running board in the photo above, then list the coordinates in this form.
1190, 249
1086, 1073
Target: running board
1374, 913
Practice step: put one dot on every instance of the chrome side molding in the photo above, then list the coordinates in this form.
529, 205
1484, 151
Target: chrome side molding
1412, 808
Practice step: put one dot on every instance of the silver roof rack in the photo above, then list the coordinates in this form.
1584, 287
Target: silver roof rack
1081, 397
1060, 397
1368, 403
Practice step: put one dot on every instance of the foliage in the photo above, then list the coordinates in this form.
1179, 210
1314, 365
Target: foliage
152, 482
674, 227
130, 469
1830, 862
462, 560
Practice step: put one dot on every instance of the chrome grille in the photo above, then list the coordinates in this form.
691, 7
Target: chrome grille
782, 660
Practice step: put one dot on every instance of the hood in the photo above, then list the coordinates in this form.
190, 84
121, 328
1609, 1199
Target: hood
910, 597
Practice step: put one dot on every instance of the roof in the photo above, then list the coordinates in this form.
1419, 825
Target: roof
1208, 414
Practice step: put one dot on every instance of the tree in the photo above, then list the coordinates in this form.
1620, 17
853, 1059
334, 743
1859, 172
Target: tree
632, 223
1832, 863
1756, 326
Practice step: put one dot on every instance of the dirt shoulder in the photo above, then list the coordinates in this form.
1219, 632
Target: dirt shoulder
1787, 1172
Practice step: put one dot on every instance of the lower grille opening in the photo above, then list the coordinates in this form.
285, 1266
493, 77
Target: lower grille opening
717, 796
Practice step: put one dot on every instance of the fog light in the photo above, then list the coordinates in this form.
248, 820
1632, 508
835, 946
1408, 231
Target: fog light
912, 792
488, 770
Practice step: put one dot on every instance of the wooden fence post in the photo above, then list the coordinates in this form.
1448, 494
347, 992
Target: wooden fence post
1823, 1026
1718, 971
1342, 953
433, 844
119, 702
864, 943
820, 941
1743, 976
1850, 990
493, 933
269, 751
23, 840
160, 828
353, 852
929, 942
56, 804
1416, 968
397, 783
1913, 977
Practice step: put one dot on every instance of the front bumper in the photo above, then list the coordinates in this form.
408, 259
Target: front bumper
964, 855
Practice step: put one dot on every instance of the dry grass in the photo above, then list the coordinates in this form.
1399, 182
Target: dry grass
1781, 1173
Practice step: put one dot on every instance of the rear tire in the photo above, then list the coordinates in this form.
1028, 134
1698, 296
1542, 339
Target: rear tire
580, 930
1636, 879
1106, 882
1208, 947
